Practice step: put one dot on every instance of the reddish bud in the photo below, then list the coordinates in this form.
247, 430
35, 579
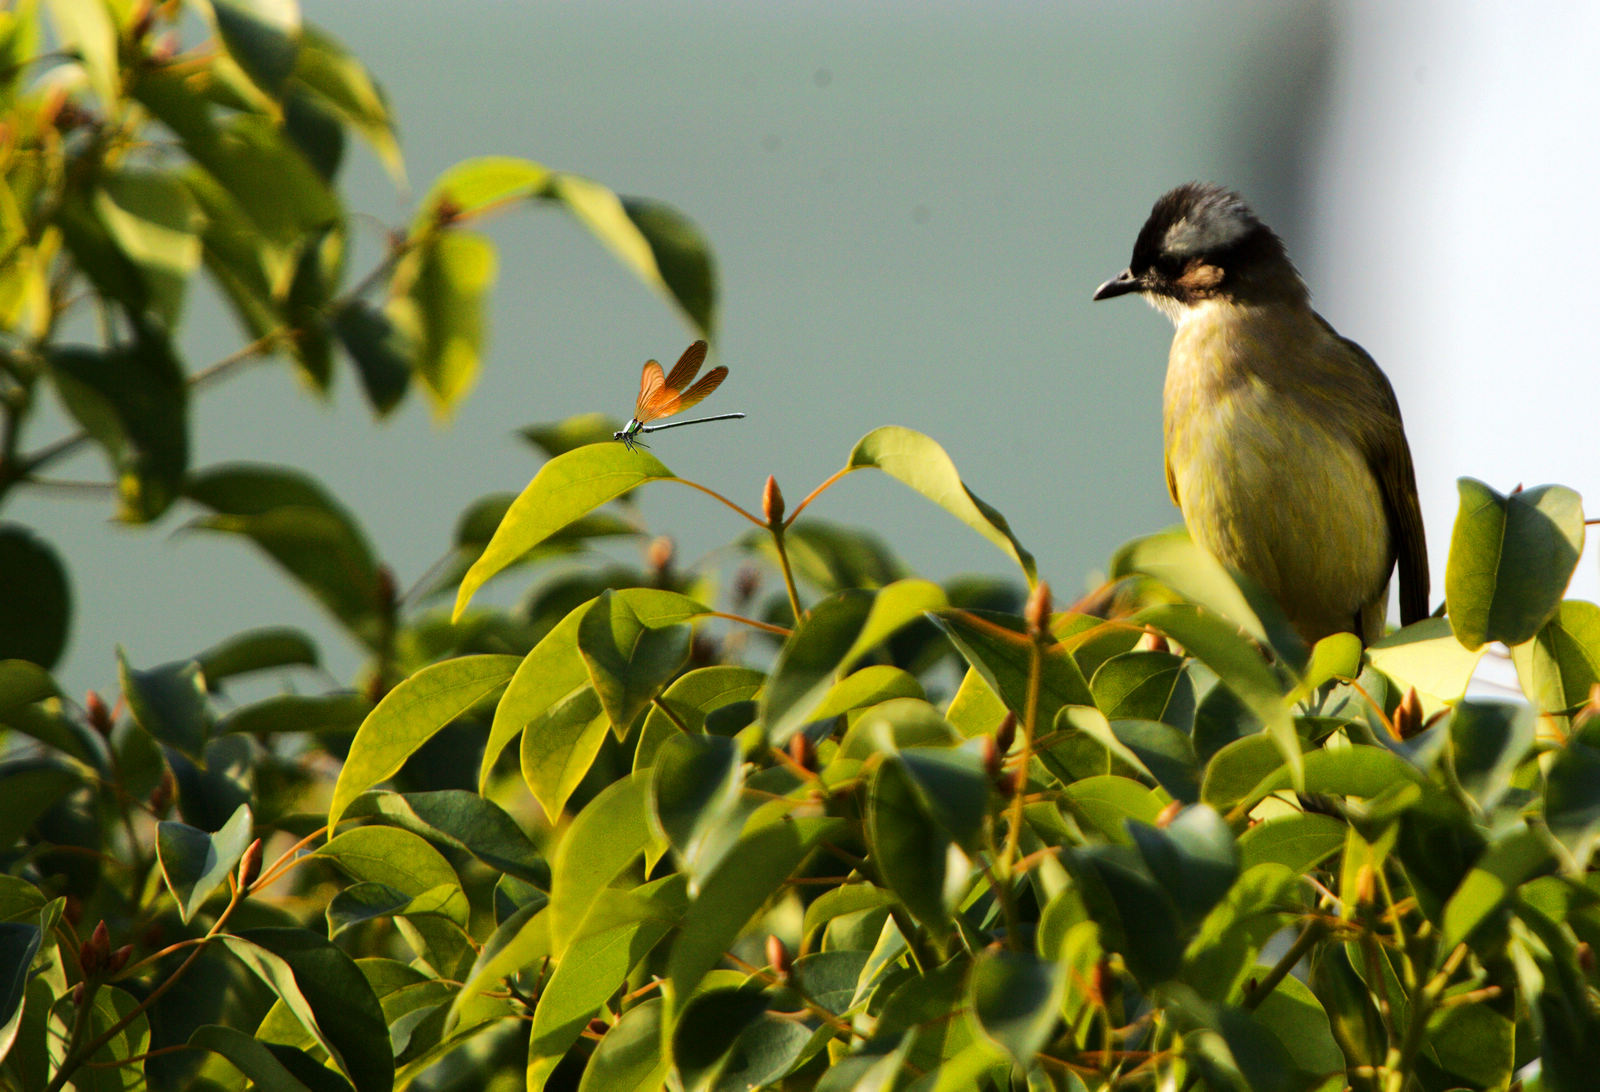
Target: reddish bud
1168, 814
772, 502
801, 753
989, 755
1037, 611
1152, 642
1408, 714
94, 707
659, 556
73, 910
388, 589
162, 795
250, 865
77, 995
92, 955
1585, 957
118, 959
778, 958
1006, 734
1102, 982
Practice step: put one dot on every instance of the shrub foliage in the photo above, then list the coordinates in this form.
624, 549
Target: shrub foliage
812, 823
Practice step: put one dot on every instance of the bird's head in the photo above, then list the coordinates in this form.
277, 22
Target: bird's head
1202, 243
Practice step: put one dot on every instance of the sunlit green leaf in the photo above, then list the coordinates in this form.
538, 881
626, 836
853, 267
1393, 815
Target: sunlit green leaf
410, 715
918, 462
629, 660
443, 285
1510, 560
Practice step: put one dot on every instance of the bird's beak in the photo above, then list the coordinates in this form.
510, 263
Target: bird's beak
1120, 285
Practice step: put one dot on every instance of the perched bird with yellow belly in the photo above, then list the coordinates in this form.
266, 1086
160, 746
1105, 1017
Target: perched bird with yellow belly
1284, 446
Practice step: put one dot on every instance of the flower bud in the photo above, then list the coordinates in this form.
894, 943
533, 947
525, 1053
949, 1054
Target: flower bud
746, 584
659, 556
802, 753
1037, 610
1168, 814
772, 502
162, 795
989, 755
118, 959
1585, 957
1150, 641
250, 865
92, 955
1006, 734
1408, 714
94, 708
778, 958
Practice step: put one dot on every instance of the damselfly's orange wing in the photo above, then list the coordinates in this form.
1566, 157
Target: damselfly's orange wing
663, 396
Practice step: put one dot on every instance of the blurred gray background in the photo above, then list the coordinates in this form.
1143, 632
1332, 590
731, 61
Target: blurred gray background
910, 205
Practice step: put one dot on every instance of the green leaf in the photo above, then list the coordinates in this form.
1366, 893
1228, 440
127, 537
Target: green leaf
170, 703
618, 933
328, 995
1510, 560
1194, 858
1512, 859
155, 223
849, 898
1230, 938
707, 1031
256, 650
521, 941
35, 599
996, 646
331, 714
1107, 802
410, 715
1145, 686
872, 685
1295, 1017
1427, 655
1142, 923
629, 1058
693, 697
1174, 560
1488, 741
400, 860
1237, 662
474, 186
910, 850
607, 836
134, 403
1298, 842
328, 71
918, 462
270, 1067
832, 638
87, 32
1560, 666
565, 488
380, 350
683, 258
290, 517
263, 37
19, 943
461, 819
1246, 770
195, 863
629, 660
953, 789
747, 877
694, 790
1015, 997
1572, 799
30, 787
440, 300
112, 1008
659, 244
558, 747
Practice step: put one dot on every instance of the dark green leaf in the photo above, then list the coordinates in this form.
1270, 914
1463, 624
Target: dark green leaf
683, 258
1572, 800
629, 1058
290, 517
266, 1065
1194, 858
134, 403
1298, 842
694, 789
909, 850
1510, 560
154, 222
383, 356
333, 714
29, 787
170, 703
463, 819
1488, 741
256, 650
998, 648
1143, 923
1015, 997
328, 994
35, 599
1562, 664
195, 863
19, 943
629, 660
263, 36
1511, 860
707, 1030
410, 715
400, 860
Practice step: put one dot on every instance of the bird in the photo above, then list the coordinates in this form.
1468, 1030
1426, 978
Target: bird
1285, 450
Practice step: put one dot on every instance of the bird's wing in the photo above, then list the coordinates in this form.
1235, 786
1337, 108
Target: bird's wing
1384, 441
